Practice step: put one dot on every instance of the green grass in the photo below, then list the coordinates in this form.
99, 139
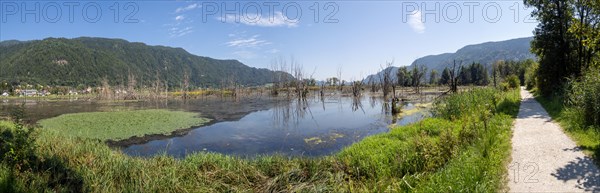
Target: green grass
119, 125
588, 138
464, 153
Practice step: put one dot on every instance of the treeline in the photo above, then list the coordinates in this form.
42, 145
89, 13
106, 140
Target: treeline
472, 74
567, 43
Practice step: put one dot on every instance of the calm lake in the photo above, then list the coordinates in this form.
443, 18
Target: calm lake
250, 126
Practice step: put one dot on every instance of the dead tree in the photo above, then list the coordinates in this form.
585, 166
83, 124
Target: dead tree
387, 79
131, 84
453, 77
157, 85
418, 73
105, 91
356, 88
186, 84
339, 77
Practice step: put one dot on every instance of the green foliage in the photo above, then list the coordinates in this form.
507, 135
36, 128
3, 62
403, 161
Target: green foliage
433, 77
459, 105
85, 61
584, 96
513, 82
531, 76
446, 76
572, 120
565, 40
503, 69
462, 153
404, 77
120, 125
17, 143
475, 74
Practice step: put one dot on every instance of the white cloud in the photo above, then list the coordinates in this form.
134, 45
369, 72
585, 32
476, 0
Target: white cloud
415, 22
252, 42
187, 8
178, 32
253, 19
179, 17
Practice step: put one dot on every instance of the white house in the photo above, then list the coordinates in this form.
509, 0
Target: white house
30, 92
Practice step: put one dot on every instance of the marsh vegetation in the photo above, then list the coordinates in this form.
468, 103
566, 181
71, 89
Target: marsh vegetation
465, 128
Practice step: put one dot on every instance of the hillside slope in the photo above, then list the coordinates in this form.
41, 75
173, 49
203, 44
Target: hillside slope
85, 60
484, 53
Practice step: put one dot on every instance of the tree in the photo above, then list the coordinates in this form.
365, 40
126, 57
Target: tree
454, 77
403, 76
186, 84
585, 27
389, 84
418, 73
433, 77
479, 75
464, 75
495, 72
333, 81
552, 42
445, 79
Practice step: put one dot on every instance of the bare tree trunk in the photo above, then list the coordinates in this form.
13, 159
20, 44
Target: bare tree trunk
131, 84
105, 92
186, 84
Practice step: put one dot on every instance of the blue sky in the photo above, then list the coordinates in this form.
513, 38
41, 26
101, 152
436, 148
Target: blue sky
322, 36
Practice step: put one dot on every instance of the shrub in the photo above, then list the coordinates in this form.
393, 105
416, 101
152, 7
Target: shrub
531, 76
584, 95
17, 143
513, 81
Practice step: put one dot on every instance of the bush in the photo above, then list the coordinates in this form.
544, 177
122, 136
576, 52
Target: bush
584, 95
531, 76
17, 143
513, 81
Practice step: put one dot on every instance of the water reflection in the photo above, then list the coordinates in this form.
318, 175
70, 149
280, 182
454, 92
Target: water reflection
319, 125
312, 127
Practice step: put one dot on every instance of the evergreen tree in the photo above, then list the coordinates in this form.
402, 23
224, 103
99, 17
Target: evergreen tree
445, 79
433, 77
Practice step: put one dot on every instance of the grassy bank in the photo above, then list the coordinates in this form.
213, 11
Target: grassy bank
463, 148
588, 138
120, 125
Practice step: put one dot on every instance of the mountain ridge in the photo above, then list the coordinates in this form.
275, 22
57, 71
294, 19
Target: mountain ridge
485, 53
86, 60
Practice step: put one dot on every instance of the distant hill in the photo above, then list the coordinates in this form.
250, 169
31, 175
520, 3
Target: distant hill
85, 60
485, 53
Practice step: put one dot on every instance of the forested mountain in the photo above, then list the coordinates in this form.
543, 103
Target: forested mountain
485, 53
85, 60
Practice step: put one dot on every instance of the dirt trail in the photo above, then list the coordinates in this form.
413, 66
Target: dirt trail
544, 159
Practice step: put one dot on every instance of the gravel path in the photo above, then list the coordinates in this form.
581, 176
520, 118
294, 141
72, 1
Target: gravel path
544, 159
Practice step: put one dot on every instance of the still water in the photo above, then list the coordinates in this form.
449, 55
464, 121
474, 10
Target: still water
250, 126
293, 128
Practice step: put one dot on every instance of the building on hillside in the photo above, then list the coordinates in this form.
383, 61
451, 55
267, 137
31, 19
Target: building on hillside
4, 94
31, 92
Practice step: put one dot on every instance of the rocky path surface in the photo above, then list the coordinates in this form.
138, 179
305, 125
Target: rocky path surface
544, 159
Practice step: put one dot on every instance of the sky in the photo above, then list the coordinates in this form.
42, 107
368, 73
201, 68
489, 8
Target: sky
358, 37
